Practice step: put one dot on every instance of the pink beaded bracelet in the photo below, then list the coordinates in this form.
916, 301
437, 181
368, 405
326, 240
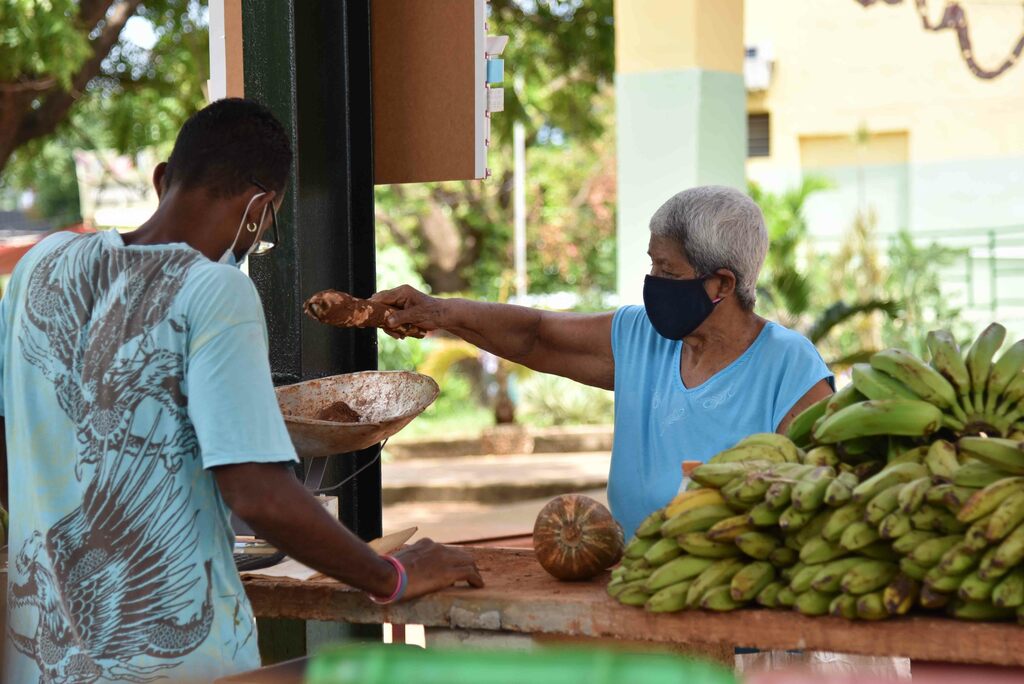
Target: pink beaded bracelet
403, 581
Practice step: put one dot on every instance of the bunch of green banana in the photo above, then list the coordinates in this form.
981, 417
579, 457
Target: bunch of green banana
1002, 454
801, 429
906, 417
989, 391
974, 393
919, 378
770, 447
867, 520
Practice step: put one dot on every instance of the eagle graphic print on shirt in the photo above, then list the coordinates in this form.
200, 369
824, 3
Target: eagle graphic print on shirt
123, 583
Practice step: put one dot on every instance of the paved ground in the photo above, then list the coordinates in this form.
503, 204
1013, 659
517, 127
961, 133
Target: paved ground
468, 520
493, 479
484, 497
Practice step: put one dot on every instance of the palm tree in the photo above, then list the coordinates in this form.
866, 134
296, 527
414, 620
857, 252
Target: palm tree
789, 290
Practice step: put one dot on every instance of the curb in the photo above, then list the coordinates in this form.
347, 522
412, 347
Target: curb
499, 492
556, 440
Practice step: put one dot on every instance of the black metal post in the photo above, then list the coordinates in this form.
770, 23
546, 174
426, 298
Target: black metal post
310, 63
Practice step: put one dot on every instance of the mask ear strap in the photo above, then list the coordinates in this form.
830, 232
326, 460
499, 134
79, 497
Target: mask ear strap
711, 275
256, 239
245, 215
704, 279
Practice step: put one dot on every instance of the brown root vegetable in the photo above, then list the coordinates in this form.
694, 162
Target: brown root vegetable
576, 538
342, 310
339, 412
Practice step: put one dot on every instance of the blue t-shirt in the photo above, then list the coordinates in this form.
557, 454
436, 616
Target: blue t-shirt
659, 422
127, 372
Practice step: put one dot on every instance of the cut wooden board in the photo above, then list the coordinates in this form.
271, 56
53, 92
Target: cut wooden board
227, 77
392, 542
427, 61
292, 569
521, 597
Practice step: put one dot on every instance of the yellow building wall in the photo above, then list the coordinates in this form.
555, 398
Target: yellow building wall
839, 66
664, 35
823, 151
894, 118
680, 113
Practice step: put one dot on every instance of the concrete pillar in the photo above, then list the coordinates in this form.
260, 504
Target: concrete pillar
681, 112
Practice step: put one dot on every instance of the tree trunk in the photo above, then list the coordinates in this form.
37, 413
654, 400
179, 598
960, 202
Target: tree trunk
13, 106
443, 243
504, 408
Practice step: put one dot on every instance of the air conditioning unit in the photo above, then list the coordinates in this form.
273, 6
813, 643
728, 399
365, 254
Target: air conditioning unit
757, 67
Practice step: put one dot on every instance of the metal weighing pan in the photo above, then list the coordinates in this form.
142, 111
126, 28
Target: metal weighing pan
386, 401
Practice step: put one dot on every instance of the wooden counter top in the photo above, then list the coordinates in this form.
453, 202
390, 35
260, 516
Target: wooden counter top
521, 597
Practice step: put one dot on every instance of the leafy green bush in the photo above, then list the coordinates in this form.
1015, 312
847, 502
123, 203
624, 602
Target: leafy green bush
394, 268
553, 400
915, 278
456, 411
405, 354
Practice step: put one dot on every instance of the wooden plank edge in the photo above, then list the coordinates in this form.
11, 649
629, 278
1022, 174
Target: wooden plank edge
919, 638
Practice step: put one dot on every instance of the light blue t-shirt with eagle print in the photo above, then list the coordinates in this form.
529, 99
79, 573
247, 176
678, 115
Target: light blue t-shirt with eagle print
128, 372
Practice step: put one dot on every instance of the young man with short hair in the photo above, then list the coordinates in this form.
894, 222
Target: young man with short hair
138, 408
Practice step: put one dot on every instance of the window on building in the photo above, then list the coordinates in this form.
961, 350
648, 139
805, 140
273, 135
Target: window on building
758, 135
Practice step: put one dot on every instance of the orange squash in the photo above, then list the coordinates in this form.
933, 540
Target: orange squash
576, 538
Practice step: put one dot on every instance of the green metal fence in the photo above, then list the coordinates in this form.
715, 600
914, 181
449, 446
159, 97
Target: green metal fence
991, 268
985, 281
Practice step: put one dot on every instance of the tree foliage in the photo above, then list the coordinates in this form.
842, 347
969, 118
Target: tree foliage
795, 287
69, 80
867, 295
915, 274
786, 284
561, 57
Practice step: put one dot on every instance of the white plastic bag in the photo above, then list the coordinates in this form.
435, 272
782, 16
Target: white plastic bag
824, 663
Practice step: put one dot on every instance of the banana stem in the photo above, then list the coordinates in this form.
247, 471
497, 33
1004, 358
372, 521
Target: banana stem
953, 423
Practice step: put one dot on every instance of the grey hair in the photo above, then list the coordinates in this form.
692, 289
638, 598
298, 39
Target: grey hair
717, 227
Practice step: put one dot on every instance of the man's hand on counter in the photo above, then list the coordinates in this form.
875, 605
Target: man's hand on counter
432, 566
269, 498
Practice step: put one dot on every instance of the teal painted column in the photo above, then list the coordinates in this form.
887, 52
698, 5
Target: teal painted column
680, 113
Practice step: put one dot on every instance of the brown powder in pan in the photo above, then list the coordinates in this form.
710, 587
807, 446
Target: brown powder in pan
338, 412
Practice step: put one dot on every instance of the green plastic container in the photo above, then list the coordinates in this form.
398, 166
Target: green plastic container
402, 664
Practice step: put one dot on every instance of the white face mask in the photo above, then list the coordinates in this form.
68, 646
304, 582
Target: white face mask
229, 256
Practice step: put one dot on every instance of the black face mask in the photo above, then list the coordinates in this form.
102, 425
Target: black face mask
677, 307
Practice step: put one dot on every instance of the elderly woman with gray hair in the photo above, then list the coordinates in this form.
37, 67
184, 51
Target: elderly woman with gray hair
694, 370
